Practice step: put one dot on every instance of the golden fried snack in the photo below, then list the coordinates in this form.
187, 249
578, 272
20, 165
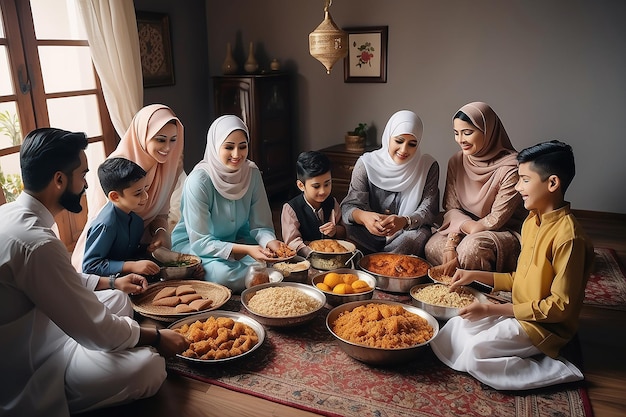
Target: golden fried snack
283, 251
327, 246
217, 338
165, 292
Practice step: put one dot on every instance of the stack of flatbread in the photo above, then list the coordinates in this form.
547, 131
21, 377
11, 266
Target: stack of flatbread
183, 298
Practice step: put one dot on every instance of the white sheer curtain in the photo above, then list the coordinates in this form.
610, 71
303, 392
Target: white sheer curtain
111, 28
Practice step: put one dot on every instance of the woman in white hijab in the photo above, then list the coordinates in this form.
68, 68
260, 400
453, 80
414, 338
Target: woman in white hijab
393, 197
225, 215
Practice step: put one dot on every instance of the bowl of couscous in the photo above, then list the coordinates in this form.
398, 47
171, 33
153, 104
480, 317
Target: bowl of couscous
283, 304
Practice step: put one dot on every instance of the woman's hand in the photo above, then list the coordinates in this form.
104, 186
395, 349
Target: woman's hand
328, 229
131, 284
392, 223
371, 221
160, 239
274, 245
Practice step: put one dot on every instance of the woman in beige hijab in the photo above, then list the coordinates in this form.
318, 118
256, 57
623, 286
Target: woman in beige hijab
155, 141
483, 212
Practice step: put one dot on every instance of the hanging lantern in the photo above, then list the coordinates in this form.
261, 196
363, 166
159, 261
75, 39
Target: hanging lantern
327, 43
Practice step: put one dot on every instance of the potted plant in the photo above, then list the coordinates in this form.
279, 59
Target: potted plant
355, 139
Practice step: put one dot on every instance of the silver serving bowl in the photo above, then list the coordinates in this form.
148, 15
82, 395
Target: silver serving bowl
300, 275
327, 261
441, 312
337, 299
238, 317
379, 356
394, 284
169, 261
284, 321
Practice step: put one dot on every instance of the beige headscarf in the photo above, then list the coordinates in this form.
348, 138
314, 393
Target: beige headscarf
161, 177
480, 176
231, 184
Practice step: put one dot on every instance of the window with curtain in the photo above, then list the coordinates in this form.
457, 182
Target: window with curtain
47, 80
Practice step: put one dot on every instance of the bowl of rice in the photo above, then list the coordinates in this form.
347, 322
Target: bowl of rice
283, 304
295, 269
381, 332
438, 300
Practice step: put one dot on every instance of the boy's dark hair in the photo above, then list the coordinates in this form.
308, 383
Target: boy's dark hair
117, 174
551, 158
48, 150
311, 164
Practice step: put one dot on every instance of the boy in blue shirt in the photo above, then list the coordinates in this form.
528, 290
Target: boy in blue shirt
113, 240
315, 213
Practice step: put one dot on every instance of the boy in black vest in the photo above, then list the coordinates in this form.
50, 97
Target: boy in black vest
314, 214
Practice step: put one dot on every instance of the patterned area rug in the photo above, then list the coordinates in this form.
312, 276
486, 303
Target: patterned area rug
607, 284
304, 368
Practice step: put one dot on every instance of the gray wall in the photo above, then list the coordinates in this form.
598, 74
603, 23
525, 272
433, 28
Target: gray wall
551, 70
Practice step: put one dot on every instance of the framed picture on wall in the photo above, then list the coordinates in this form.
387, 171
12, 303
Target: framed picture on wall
155, 48
366, 61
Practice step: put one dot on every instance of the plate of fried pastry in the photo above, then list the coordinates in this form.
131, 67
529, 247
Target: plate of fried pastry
219, 336
284, 253
171, 300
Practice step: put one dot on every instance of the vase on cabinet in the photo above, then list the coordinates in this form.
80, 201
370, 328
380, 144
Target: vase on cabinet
251, 64
230, 65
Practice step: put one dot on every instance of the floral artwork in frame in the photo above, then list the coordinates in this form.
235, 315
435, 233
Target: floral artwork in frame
155, 48
366, 61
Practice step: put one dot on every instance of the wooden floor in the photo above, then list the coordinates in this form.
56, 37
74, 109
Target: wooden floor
602, 336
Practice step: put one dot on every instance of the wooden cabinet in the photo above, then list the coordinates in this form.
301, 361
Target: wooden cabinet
264, 103
343, 162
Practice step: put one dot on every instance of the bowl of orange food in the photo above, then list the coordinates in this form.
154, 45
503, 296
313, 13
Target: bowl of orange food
345, 285
381, 332
395, 272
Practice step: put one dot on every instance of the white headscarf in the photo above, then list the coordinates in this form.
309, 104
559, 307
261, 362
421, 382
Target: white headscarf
409, 178
231, 184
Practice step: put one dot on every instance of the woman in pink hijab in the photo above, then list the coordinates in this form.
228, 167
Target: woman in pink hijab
155, 141
483, 212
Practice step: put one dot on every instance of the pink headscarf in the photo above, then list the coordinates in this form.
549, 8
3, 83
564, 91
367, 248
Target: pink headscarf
480, 176
161, 177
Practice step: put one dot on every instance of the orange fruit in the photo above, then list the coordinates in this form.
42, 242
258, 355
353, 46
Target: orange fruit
360, 286
332, 279
342, 289
323, 287
349, 278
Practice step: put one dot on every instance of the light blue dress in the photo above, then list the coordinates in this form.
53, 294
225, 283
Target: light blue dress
210, 224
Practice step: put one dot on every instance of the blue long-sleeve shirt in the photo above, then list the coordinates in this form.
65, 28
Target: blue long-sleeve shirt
112, 239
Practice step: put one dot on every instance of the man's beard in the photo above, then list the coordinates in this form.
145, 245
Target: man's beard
71, 201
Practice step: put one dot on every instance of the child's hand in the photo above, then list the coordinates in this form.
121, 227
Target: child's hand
328, 229
474, 311
131, 284
461, 277
144, 267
